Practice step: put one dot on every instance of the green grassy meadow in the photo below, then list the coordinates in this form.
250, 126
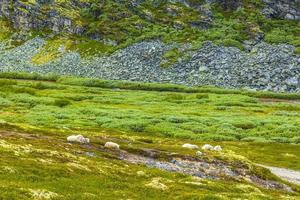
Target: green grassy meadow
196, 116
38, 113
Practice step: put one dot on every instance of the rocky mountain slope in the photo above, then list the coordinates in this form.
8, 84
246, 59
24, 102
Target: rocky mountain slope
237, 44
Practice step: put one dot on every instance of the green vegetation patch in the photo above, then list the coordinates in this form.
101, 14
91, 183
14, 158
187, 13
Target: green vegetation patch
5, 29
154, 109
37, 115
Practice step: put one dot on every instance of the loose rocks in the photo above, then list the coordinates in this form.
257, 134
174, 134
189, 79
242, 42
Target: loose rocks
262, 67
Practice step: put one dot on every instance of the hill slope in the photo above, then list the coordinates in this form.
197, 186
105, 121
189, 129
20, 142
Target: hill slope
157, 41
150, 125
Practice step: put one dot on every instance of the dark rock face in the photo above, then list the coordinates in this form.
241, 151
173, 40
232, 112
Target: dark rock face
284, 9
229, 4
65, 16
38, 16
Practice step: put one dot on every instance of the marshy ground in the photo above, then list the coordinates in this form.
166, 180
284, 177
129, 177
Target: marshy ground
36, 161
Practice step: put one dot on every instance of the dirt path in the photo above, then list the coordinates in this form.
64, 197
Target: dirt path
286, 174
271, 100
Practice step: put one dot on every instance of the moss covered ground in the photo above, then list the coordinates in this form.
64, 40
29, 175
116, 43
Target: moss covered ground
36, 116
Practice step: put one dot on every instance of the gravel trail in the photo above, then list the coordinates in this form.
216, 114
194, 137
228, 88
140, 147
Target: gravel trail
286, 174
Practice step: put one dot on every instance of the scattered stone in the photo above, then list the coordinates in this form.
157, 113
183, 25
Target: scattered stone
90, 154
207, 147
78, 139
199, 168
262, 67
155, 183
141, 173
42, 194
8, 169
112, 145
190, 146
282, 9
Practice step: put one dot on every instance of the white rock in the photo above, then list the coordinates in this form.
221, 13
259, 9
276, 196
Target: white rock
78, 139
218, 148
141, 173
207, 147
190, 146
199, 153
156, 184
111, 145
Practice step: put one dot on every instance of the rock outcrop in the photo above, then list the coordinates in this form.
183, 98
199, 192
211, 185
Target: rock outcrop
42, 15
284, 9
67, 16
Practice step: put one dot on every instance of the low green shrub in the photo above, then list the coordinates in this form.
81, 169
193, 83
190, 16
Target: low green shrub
297, 50
28, 76
146, 140
280, 139
170, 57
5, 102
148, 86
245, 125
25, 90
62, 102
295, 140
125, 85
5, 82
137, 127
175, 97
202, 96
177, 120
215, 137
80, 97
221, 108
254, 139
44, 86
233, 43
232, 104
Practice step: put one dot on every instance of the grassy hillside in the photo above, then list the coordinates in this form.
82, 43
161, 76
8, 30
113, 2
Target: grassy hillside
206, 114
37, 116
44, 166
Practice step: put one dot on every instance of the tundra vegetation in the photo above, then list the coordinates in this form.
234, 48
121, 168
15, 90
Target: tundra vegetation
38, 113
80, 138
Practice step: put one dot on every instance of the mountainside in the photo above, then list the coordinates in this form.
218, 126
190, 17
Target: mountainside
238, 44
150, 99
